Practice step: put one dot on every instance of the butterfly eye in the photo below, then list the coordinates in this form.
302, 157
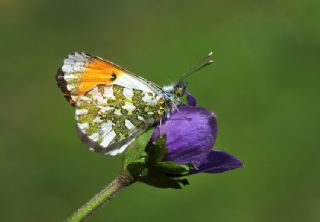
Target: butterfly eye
162, 103
179, 91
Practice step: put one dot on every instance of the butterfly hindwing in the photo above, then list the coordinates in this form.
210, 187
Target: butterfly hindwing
110, 117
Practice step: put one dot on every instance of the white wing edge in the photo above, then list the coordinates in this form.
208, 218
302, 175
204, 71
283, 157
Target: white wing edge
121, 149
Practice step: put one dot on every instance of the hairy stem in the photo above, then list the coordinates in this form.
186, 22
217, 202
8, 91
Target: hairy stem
103, 197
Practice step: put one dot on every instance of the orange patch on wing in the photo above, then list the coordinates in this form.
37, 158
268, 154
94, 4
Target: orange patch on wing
98, 72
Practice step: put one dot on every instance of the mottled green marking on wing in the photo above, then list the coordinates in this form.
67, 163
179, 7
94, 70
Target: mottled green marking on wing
96, 103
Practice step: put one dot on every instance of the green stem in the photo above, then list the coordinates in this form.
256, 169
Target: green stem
103, 197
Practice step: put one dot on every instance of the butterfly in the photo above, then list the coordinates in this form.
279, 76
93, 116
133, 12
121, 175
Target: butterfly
112, 105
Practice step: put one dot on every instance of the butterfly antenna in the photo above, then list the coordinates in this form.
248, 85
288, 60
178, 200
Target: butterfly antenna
206, 60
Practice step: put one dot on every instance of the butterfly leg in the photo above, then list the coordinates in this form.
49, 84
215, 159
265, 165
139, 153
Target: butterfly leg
175, 107
160, 124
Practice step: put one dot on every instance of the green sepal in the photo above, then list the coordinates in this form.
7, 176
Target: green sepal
136, 151
161, 180
136, 169
172, 168
156, 151
144, 162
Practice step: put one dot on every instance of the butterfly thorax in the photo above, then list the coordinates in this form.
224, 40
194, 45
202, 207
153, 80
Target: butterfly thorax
173, 93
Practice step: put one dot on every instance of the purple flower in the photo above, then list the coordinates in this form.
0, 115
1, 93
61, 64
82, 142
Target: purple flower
190, 135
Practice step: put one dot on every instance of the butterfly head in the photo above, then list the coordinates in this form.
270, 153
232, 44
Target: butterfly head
175, 91
179, 89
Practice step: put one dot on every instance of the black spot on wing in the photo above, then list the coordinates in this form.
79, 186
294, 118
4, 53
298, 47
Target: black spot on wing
113, 77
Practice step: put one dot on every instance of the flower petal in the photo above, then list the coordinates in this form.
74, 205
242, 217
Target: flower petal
219, 161
190, 132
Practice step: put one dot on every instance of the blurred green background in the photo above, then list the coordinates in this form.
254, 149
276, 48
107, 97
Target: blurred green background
264, 88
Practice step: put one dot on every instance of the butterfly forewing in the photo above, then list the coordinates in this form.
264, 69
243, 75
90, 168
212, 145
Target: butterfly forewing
81, 72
